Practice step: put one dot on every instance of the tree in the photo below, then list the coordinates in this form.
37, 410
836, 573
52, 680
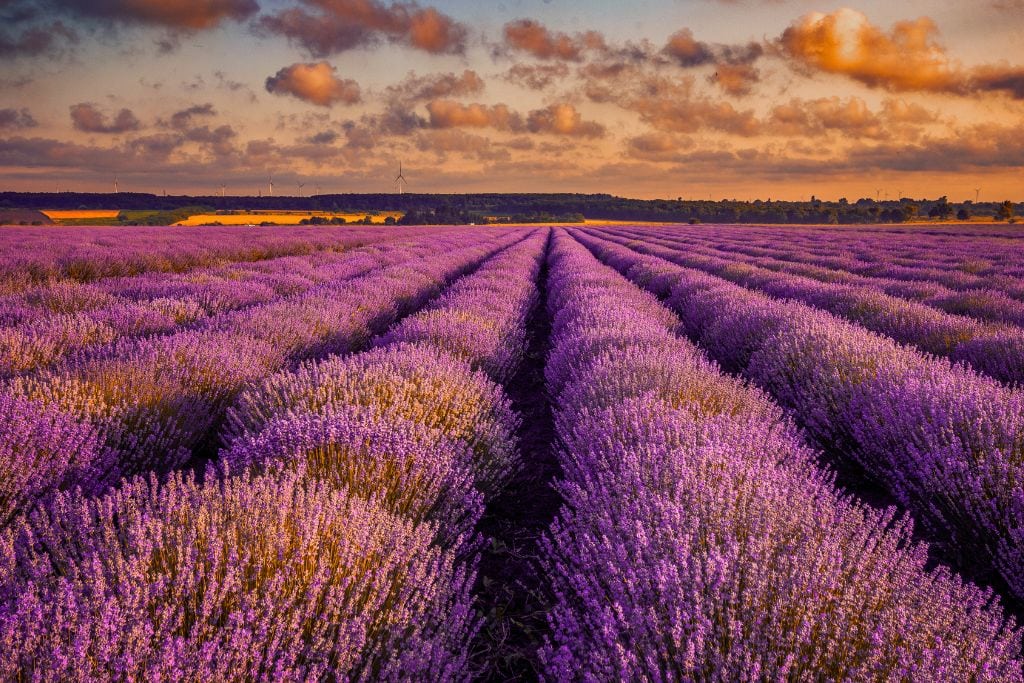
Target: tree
941, 209
1005, 211
964, 214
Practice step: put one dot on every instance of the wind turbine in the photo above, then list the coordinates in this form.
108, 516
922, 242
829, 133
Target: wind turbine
115, 184
301, 185
318, 190
977, 193
400, 181
270, 182
878, 193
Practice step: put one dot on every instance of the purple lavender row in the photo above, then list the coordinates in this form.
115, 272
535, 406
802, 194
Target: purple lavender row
482, 318
213, 287
90, 315
334, 543
995, 350
426, 370
399, 604
151, 401
965, 263
973, 252
947, 443
410, 431
698, 540
992, 302
31, 256
254, 577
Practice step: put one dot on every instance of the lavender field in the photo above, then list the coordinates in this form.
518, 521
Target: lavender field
596, 453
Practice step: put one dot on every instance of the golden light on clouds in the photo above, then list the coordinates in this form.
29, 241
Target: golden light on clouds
765, 98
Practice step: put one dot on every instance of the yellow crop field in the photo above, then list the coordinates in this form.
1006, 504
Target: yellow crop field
79, 214
282, 218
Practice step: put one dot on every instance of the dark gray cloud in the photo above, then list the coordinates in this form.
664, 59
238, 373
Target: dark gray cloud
422, 88
16, 119
88, 118
327, 27
183, 119
189, 15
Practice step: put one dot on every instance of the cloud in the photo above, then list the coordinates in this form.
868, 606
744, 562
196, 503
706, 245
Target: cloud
89, 119
905, 58
159, 146
16, 119
182, 119
687, 51
556, 119
735, 79
668, 104
314, 83
324, 137
850, 116
189, 15
33, 41
420, 88
1008, 79
327, 27
536, 76
449, 114
563, 119
734, 70
658, 146
443, 142
532, 37
903, 112
908, 57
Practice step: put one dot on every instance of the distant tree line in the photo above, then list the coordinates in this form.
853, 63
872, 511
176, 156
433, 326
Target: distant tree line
470, 208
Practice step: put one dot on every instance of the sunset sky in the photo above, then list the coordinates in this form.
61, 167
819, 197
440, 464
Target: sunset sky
774, 99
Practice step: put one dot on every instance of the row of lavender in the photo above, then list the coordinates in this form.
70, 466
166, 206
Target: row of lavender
970, 281
994, 349
947, 443
34, 256
44, 324
996, 297
967, 259
334, 539
700, 542
148, 403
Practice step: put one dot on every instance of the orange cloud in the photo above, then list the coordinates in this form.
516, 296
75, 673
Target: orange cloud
563, 119
448, 114
735, 79
315, 83
906, 58
556, 119
532, 37
845, 42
